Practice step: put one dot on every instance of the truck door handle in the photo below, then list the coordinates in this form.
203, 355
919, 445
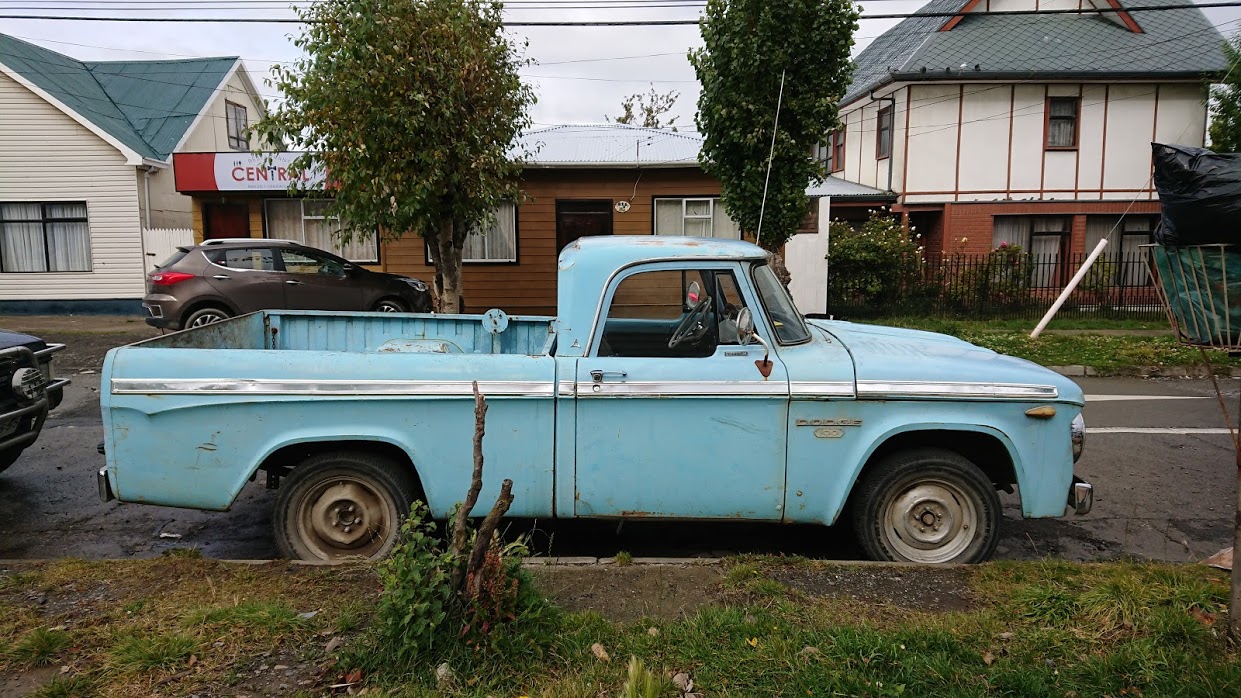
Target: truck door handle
291, 282
222, 277
597, 375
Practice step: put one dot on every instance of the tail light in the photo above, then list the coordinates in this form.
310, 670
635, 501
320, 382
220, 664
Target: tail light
168, 278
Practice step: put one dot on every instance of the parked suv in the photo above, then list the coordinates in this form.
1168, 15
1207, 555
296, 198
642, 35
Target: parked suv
221, 278
27, 391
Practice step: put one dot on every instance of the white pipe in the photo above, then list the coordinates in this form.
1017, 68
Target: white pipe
1077, 279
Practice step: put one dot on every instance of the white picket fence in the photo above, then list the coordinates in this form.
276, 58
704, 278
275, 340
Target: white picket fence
160, 243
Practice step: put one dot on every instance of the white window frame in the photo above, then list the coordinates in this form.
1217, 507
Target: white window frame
339, 253
713, 204
484, 260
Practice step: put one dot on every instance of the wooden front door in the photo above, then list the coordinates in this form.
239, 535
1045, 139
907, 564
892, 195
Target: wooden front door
226, 221
576, 219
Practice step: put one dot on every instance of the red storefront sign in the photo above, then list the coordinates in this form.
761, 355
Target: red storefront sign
200, 172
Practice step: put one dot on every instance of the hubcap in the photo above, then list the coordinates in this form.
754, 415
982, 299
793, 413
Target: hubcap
930, 521
388, 308
344, 518
206, 319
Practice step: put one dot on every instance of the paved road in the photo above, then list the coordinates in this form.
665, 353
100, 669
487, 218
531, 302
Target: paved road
1156, 451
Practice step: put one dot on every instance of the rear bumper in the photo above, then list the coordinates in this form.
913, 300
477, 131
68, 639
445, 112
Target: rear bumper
1081, 496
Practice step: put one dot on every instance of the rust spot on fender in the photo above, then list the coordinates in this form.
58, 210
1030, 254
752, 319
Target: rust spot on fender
764, 367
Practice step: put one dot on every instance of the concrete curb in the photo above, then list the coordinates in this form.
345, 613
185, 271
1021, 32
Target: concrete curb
583, 561
1195, 371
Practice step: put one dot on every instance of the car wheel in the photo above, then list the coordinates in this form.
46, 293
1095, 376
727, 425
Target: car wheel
205, 316
390, 305
342, 506
8, 458
928, 506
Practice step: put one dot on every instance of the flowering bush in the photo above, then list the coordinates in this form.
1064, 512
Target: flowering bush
876, 263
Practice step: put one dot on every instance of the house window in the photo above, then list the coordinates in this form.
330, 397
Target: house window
495, 240
883, 134
44, 237
696, 217
837, 141
1043, 237
822, 154
236, 121
307, 221
1123, 252
1062, 122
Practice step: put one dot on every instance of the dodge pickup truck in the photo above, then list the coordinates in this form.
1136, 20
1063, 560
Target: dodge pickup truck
678, 382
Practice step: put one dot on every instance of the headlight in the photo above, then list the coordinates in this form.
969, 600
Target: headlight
27, 384
1078, 431
417, 285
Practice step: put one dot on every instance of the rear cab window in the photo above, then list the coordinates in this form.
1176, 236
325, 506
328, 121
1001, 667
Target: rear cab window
243, 258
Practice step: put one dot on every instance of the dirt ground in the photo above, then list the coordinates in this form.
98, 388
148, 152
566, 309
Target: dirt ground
87, 337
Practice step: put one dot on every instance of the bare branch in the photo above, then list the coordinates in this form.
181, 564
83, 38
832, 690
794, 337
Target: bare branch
460, 532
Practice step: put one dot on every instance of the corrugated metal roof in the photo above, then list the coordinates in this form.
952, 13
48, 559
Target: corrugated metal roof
146, 105
1180, 42
840, 188
609, 145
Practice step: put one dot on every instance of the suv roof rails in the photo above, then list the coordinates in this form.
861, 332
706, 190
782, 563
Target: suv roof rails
230, 241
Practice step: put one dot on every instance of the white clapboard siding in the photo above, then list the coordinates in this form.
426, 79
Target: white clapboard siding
160, 243
804, 258
47, 156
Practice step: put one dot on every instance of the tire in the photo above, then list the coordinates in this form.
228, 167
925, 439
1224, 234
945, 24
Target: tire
342, 506
205, 316
390, 305
926, 505
8, 458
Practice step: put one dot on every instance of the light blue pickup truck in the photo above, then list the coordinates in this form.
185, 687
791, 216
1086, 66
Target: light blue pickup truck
678, 382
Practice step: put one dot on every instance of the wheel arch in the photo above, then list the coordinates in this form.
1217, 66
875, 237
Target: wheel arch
987, 447
207, 302
282, 458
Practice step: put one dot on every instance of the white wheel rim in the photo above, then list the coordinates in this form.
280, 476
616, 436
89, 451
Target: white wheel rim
207, 319
387, 307
930, 521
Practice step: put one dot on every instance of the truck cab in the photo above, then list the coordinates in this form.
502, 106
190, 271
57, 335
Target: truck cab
678, 381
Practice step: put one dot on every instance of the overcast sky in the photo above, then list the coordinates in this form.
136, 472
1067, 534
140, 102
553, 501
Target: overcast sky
581, 75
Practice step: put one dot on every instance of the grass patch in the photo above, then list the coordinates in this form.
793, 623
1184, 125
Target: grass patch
157, 652
1031, 629
624, 557
1107, 353
40, 647
66, 687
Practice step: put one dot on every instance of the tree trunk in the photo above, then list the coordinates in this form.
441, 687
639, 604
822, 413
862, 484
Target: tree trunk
482, 541
448, 269
460, 532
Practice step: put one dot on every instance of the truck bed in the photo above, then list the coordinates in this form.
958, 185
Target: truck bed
294, 330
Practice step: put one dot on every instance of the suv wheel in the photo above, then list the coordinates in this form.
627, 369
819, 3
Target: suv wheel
205, 316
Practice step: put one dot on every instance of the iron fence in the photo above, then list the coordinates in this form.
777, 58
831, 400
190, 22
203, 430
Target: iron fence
995, 285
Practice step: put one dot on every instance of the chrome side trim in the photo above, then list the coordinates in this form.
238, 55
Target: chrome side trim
262, 386
813, 389
589, 389
924, 390
566, 388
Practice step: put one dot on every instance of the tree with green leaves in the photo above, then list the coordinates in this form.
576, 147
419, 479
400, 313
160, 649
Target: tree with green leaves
650, 107
413, 108
1226, 103
749, 44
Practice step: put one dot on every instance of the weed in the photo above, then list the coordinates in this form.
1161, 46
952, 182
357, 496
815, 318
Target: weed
351, 617
134, 607
741, 574
418, 594
623, 558
66, 687
766, 587
153, 652
190, 553
17, 580
640, 682
40, 647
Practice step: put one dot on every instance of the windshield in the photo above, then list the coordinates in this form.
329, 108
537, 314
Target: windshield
787, 322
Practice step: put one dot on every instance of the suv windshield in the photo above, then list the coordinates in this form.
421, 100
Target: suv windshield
787, 322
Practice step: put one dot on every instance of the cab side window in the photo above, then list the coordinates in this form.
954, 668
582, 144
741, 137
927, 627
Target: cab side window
244, 258
672, 313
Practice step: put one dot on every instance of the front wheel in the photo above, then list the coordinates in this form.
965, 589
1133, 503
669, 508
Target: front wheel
342, 506
929, 506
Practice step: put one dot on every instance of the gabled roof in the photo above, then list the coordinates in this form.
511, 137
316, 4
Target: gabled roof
145, 107
1177, 43
609, 145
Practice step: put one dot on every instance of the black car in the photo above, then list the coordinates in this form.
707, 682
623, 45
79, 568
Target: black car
27, 391
222, 278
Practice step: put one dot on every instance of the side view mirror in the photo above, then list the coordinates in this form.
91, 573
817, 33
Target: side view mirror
693, 296
745, 326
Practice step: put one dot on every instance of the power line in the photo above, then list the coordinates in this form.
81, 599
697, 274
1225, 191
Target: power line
637, 23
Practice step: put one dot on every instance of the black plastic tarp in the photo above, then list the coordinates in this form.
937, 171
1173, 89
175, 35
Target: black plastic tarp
1200, 194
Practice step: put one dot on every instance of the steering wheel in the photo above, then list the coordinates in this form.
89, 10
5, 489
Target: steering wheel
693, 326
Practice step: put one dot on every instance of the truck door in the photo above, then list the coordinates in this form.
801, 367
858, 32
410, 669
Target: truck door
674, 417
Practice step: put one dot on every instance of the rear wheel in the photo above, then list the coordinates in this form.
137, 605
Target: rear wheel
342, 506
390, 305
927, 505
205, 316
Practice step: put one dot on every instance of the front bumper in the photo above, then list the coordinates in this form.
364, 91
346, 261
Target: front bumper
30, 417
1081, 496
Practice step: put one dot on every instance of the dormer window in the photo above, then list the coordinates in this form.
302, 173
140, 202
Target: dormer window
236, 120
